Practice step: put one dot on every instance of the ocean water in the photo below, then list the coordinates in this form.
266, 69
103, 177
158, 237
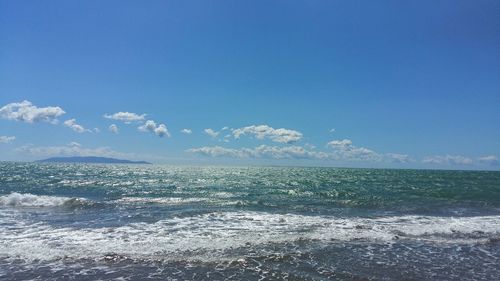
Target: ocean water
144, 222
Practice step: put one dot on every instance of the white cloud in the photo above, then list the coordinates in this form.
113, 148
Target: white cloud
345, 150
490, 160
186, 131
150, 126
126, 117
162, 130
71, 123
211, 132
25, 111
264, 131
159, 130
332, 130
113, 129
448, 159
7, 139
97, 130
398, 158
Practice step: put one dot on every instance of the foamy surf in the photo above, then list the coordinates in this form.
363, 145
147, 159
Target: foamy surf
30, 200
210, 236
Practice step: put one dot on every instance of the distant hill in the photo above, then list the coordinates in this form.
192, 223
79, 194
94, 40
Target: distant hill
89, 159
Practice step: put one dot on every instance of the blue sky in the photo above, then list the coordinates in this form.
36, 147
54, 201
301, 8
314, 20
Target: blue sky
402, 83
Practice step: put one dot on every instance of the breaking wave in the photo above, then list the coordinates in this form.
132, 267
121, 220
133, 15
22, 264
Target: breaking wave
212, 235
30, 200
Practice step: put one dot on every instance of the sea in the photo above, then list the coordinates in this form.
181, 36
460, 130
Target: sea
153, 222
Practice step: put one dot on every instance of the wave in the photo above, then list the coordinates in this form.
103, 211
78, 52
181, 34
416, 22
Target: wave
214, 235
30, 200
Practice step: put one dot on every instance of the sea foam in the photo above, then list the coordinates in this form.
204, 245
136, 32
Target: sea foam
30, 200
211, 235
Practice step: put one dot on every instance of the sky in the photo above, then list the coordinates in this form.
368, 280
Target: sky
398, 84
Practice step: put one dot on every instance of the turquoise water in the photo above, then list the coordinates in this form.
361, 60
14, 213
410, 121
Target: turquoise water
143, 222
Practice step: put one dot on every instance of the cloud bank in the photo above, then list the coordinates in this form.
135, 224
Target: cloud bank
342, 150
262, 151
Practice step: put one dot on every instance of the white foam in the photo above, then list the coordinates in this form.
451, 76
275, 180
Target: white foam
29, 200
211, 235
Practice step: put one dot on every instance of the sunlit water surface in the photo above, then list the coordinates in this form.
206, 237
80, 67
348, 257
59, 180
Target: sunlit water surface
144, 222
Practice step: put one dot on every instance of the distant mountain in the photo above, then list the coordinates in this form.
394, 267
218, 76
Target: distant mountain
89, 159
